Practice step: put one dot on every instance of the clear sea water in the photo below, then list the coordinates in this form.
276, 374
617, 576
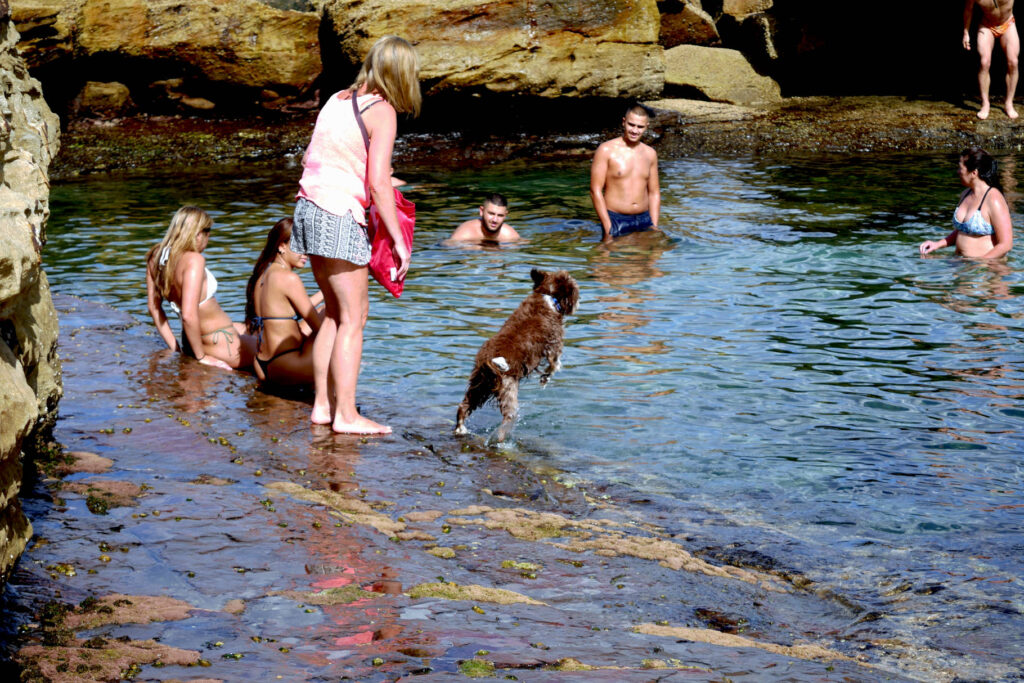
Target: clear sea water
780, 359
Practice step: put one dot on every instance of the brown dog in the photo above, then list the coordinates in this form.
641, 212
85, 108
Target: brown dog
531, 334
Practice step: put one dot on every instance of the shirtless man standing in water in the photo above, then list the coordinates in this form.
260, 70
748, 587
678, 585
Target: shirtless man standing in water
997, 22
624, 179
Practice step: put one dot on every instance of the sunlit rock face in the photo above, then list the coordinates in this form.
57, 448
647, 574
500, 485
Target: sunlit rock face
30, 383
249, 46
569, 48
720, 75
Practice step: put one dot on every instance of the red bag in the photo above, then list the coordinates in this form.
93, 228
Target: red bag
382, 257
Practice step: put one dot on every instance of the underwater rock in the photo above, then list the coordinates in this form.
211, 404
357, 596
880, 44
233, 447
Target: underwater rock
701, 635
453, 591
104, 660
82, 461
126, 609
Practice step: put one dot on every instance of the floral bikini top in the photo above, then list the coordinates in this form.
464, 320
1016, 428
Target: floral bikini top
973, 225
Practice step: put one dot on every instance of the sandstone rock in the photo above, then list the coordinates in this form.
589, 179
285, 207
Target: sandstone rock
720, 74
743, 8
15, 530
106, 100
197, 103
550, 49
239, 42
753, 35
46, 32
17, 413
685, 23
29, 368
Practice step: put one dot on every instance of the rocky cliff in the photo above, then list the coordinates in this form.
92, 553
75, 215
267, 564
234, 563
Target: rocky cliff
30, 382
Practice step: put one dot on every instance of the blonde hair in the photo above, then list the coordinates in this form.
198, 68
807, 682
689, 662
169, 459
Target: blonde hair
181, 236
392, 69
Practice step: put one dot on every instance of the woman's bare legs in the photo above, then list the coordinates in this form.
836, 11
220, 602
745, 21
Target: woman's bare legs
345, 290
323, 344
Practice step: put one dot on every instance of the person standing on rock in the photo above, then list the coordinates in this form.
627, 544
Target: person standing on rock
997, 23
624, 179
340, 177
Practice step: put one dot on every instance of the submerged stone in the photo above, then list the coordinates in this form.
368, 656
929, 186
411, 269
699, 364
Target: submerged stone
453, 591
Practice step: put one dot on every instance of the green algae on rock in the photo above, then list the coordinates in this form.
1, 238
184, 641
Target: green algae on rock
453, 591
350, 509
96, 660
606, 538
476, 668
102, 494
126, 609
343, 595
703, 635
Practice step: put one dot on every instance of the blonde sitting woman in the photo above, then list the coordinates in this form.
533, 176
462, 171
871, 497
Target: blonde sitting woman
176, 272
276, 305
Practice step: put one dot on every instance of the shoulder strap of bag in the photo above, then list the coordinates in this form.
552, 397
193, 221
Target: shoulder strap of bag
359, 120
366, 139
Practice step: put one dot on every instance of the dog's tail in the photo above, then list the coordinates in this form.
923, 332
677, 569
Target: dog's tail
482, 387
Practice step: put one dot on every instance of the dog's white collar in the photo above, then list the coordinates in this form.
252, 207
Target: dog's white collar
552, 302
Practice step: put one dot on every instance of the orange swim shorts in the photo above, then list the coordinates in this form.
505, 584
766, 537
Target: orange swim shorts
1002, 28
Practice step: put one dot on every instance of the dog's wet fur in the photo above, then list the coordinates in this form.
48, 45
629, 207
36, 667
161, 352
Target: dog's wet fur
533, 333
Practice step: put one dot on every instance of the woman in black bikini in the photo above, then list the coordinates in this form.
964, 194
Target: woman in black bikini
276, 303
176, 272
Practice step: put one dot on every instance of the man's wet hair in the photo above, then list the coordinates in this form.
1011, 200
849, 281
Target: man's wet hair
496, 200
638, 109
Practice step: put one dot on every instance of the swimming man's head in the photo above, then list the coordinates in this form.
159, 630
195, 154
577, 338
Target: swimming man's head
493, 213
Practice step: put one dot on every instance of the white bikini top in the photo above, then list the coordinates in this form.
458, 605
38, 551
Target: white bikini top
211, 282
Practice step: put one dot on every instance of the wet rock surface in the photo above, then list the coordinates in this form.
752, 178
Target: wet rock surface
460, 135
266, 547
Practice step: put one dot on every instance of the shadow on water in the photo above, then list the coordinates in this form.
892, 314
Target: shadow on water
776, 384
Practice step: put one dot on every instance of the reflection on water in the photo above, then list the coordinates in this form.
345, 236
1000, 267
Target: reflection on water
780, 356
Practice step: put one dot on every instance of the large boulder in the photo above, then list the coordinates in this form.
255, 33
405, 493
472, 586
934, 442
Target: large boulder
720, 74
245, 44
569, 48
685, 23
30, 382
103, 100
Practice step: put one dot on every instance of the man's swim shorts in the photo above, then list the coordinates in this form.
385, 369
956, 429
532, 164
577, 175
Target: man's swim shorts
625, 223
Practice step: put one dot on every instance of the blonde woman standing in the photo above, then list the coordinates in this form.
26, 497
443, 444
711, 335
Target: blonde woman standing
176, 272
330, 219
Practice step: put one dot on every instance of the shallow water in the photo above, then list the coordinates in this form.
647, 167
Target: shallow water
780, 361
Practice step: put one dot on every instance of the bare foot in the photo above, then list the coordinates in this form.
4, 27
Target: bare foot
1010, 111
321, 415
983, 113
360, 425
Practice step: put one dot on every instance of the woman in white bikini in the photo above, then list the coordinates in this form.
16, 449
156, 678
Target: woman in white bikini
176, 272
981, 220
276, 304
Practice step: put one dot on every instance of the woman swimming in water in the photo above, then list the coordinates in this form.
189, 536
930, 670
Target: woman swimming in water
275, 303
981, 220
176, 272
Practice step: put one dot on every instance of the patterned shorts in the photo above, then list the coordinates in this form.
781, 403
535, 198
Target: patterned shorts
319, 233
